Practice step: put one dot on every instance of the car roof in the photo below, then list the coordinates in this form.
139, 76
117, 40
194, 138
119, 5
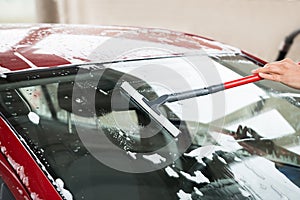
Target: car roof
48, 45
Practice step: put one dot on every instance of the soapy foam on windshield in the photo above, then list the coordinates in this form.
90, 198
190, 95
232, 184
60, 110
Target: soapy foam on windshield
198, 178
171, 172
155, 158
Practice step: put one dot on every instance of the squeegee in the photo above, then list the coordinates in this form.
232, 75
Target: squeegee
152, 107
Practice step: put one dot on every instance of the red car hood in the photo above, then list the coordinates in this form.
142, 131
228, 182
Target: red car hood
44, 45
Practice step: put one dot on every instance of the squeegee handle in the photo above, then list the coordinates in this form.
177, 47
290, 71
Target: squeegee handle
208, 90
242, 81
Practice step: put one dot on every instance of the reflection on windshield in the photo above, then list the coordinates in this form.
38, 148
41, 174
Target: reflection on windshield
227, 161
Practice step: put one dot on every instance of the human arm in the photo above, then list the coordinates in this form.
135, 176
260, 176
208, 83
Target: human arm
285, 71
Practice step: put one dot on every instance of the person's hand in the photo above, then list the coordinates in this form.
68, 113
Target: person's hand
285, 71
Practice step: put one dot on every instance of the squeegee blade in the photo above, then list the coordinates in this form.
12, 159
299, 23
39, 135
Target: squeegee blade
139, 99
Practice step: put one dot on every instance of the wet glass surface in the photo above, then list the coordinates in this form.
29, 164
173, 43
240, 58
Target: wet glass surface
248, 151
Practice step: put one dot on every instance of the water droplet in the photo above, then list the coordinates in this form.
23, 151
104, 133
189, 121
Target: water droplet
78, 100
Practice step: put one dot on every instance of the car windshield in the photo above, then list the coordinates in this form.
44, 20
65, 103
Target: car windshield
243, 143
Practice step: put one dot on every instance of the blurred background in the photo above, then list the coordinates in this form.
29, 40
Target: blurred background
256, 26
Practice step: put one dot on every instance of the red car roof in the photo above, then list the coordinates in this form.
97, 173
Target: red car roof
44, 45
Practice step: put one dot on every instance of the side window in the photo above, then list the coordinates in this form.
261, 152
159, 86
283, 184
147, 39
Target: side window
5, 193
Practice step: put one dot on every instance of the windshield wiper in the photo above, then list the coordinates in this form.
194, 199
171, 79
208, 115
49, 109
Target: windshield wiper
258, 145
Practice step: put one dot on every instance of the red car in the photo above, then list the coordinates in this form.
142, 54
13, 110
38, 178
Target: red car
67, 131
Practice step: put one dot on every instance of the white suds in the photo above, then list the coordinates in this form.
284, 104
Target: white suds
184, 196
171, 172
66, 193
155, 158
34, 118
131, 154
198, 178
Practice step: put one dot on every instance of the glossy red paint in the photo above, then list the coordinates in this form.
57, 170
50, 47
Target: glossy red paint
205, 41
24, 166
32, 49
255, 58
13, 62
11, 180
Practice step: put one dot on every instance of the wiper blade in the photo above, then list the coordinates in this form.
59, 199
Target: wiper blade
257, 145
